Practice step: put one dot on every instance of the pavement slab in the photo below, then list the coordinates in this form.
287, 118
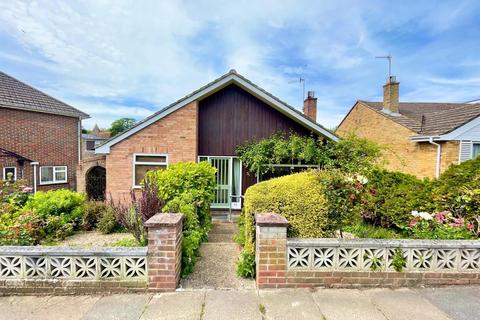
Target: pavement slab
119, 307
289, 304
345, 304
46, 308
405, 304
175, 305
238, 304
460, 303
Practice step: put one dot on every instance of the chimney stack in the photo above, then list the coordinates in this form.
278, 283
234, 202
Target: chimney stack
310, 106
391, 95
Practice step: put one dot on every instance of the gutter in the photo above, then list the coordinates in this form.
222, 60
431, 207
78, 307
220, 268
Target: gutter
439, 150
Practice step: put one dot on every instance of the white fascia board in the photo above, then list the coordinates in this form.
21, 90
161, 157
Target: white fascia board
232, 78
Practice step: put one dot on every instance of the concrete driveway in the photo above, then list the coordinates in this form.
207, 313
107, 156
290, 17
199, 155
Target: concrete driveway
440, 303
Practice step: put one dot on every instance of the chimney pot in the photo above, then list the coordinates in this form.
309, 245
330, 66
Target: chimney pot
310, 106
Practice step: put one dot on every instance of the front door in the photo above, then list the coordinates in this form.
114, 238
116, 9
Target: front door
229, 175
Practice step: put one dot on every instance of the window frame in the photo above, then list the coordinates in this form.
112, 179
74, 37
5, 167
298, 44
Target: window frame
135, 162
54, 181
5, 175
472, 156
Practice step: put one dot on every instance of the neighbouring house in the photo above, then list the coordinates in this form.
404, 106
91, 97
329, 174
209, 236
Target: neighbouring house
206, 125
420, 138
91, 140
39, 136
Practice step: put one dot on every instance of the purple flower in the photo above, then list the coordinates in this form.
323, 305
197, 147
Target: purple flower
441, 216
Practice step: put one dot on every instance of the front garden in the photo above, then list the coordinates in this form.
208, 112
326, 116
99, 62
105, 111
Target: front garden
351, 195
48, 218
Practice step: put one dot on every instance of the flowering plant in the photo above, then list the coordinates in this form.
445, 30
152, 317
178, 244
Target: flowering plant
440, 225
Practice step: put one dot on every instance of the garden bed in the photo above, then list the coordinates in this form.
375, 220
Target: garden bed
89, 239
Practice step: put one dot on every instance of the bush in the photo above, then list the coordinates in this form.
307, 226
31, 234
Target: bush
298, 197
246, 264
108, 222
392, 196
458, 191
52, 215
92, 213
188, 188
133, 215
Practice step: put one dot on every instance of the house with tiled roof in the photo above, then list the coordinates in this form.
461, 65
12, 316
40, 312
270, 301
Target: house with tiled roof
420, 138
206, 125
39, 136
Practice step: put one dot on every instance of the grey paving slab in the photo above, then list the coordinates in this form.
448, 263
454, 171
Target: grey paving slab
119, 307
289, 304
405, 304
46, 308
346, 304
460, 303
175, 305
231, 305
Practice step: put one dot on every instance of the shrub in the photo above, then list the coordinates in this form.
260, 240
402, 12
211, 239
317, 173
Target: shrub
458, 190
246, 264
188, 188
392, 196
63, 203
92, 213
13, 195
441, 225
133, 215
297, 197
108, 222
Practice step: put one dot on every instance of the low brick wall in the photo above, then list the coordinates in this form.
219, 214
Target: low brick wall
70, 270
283, 262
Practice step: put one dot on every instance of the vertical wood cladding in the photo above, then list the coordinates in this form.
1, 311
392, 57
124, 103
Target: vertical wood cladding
232, 117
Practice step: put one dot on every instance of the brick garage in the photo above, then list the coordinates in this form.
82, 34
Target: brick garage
39, 128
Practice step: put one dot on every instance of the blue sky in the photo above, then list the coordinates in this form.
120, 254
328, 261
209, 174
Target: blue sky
120, 58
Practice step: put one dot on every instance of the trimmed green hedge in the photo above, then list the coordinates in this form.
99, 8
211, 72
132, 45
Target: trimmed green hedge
297, 197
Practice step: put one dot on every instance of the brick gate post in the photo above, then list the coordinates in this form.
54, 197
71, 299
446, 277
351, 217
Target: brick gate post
271, 250
164, 251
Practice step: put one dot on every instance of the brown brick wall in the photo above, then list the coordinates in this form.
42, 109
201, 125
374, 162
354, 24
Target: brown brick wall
46, 138
399, 151
175, 135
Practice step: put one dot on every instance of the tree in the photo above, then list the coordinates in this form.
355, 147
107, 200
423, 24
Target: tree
121, 125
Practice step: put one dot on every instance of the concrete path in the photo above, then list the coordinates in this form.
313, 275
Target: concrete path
215, 268
331, 304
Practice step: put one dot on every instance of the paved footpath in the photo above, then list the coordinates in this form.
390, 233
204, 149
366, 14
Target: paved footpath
425, 304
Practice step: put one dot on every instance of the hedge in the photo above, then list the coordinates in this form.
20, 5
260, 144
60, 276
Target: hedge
297, 197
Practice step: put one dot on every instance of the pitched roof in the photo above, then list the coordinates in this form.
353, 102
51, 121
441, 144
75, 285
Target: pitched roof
427, 118
18, 95
231, 77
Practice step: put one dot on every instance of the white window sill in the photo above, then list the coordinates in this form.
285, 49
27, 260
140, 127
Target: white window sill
50, 183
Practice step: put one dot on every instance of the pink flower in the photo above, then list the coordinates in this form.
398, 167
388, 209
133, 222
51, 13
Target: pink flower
440, 217
27, 189
412, 223
470, 227
458, 222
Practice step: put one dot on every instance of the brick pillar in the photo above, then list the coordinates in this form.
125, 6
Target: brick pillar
271, 250
164, 251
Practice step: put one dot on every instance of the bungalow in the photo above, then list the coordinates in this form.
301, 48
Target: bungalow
39, 137
206, 125
420, 138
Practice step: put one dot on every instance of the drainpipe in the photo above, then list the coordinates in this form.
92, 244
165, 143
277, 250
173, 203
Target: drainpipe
34, 164
439, 150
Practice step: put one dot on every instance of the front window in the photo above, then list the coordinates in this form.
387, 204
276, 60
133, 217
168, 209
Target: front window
143, 163
10, 173
475, 150
53, 174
